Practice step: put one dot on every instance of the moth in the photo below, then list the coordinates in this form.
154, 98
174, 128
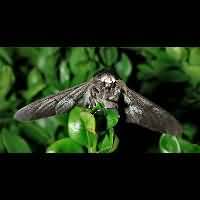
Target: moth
106, 89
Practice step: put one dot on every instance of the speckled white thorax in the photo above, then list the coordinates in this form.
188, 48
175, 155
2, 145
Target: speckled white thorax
108, 79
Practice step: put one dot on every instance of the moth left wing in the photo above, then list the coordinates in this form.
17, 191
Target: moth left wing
145, 113
51, 105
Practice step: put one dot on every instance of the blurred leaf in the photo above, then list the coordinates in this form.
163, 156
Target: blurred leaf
36, 133
60, 136
33, 91
124, 67
194, 58
13, 129
82, 72
188, 147
80, 65
177, 53
8, 104
76, 128
50, 89
30, 53
112, 118
34, 78
14, 143
62, 119
150, 51
5, 55
78, 60
6, 117
65, 145
173, 76
109, 55
50, 125
146, 72
190, 130
193, 72
91, 52
49, 51
47, 65
156, 56
169, 144
64, 74
7, 79
2, 147
35, 84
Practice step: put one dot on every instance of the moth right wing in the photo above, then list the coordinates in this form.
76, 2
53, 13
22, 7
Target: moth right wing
145, 113
51, 105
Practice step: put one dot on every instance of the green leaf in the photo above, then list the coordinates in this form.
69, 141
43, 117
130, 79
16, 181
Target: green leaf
50, 89
76, 127
109, 55
14, 143
173, 76
193, 72
49, 51
47, 65
36, 133
83, 70
92, 142
194, 58
30, 53
33, 91
151, 51
50, 125
35, 84
91, 52
177, 53
64, 74
65, 145
7, 79
124, 67
112, 118
78, 60
169, 144
115, 144
106, 145
8, 104
188, 147
88, 121
13, 129
34, 78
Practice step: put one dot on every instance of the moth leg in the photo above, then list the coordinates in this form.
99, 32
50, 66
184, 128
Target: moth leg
121, 84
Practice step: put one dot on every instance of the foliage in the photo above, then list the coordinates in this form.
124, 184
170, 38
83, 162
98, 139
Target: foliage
170, 76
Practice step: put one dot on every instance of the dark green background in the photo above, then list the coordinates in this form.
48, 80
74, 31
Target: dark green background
168, 76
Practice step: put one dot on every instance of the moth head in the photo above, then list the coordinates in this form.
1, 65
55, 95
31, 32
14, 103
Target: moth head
106, 78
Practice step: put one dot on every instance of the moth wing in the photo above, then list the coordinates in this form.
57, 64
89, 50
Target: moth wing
145, 113
51, 105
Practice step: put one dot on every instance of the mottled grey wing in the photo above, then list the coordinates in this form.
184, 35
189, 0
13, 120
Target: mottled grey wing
145, 113
51, 105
